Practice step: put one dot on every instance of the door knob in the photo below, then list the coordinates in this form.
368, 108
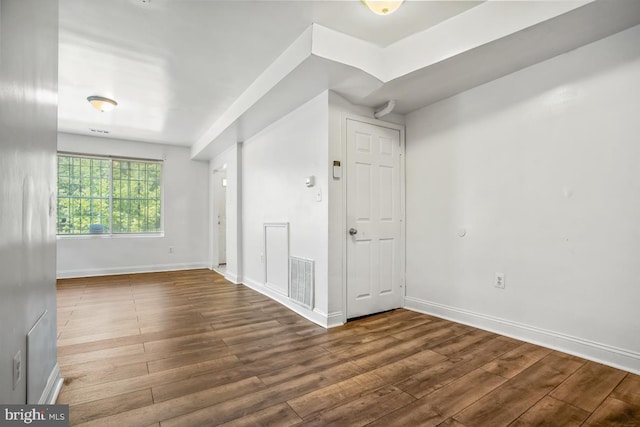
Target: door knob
353, 231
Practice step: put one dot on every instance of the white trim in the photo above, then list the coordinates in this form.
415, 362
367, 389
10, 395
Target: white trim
158, 234
233, 278
107, 157
403, 240
335, 319
315, 316
343, 216
66, 274
374, 122
598, 352
52, 388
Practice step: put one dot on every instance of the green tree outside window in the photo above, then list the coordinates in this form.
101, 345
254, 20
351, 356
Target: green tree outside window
113, 196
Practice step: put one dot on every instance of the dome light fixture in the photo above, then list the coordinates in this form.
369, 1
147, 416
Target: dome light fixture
380, 7
101, 103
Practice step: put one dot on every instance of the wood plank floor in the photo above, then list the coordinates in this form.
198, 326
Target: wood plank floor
190, 349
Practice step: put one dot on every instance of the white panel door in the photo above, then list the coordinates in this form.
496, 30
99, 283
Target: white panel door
373, 219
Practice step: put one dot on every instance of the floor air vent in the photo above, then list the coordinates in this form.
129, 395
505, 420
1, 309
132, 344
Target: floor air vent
301, 281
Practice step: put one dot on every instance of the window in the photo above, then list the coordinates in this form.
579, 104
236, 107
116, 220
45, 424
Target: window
108, 195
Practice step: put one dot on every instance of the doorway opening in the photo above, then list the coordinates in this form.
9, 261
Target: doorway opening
220, 220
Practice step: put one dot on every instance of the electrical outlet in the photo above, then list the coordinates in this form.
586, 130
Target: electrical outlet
170, 249
17, 369
499, 283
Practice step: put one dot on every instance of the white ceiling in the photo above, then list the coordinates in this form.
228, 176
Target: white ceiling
175, 67
207, 73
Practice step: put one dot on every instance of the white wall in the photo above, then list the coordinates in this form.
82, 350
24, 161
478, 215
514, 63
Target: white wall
28, 126
542, 169
283, 155
185, 216
275, 164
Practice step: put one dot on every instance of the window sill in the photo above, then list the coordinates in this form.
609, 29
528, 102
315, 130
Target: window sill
109, 236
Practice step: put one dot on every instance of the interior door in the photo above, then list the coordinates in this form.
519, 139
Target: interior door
373, 219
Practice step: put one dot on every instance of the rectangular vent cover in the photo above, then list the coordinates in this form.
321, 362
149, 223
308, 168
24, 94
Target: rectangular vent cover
301, 281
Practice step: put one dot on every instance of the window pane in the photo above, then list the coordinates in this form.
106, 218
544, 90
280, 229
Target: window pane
64, 209
136, 188
86, 204
83, 195
64, 163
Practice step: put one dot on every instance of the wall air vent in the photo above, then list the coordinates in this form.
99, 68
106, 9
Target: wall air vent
301, 281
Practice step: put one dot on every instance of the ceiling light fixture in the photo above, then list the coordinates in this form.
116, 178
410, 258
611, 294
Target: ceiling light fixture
101, 103
380, 7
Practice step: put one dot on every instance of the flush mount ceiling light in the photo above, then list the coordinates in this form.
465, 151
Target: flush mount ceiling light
380, 7
101, 103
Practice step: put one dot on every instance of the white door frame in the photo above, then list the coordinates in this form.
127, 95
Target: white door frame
402, 245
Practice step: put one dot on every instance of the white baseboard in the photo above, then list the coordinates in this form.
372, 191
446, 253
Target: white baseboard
52, 388
231, 277
315, 316
335, 319
67, 274
590, 350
